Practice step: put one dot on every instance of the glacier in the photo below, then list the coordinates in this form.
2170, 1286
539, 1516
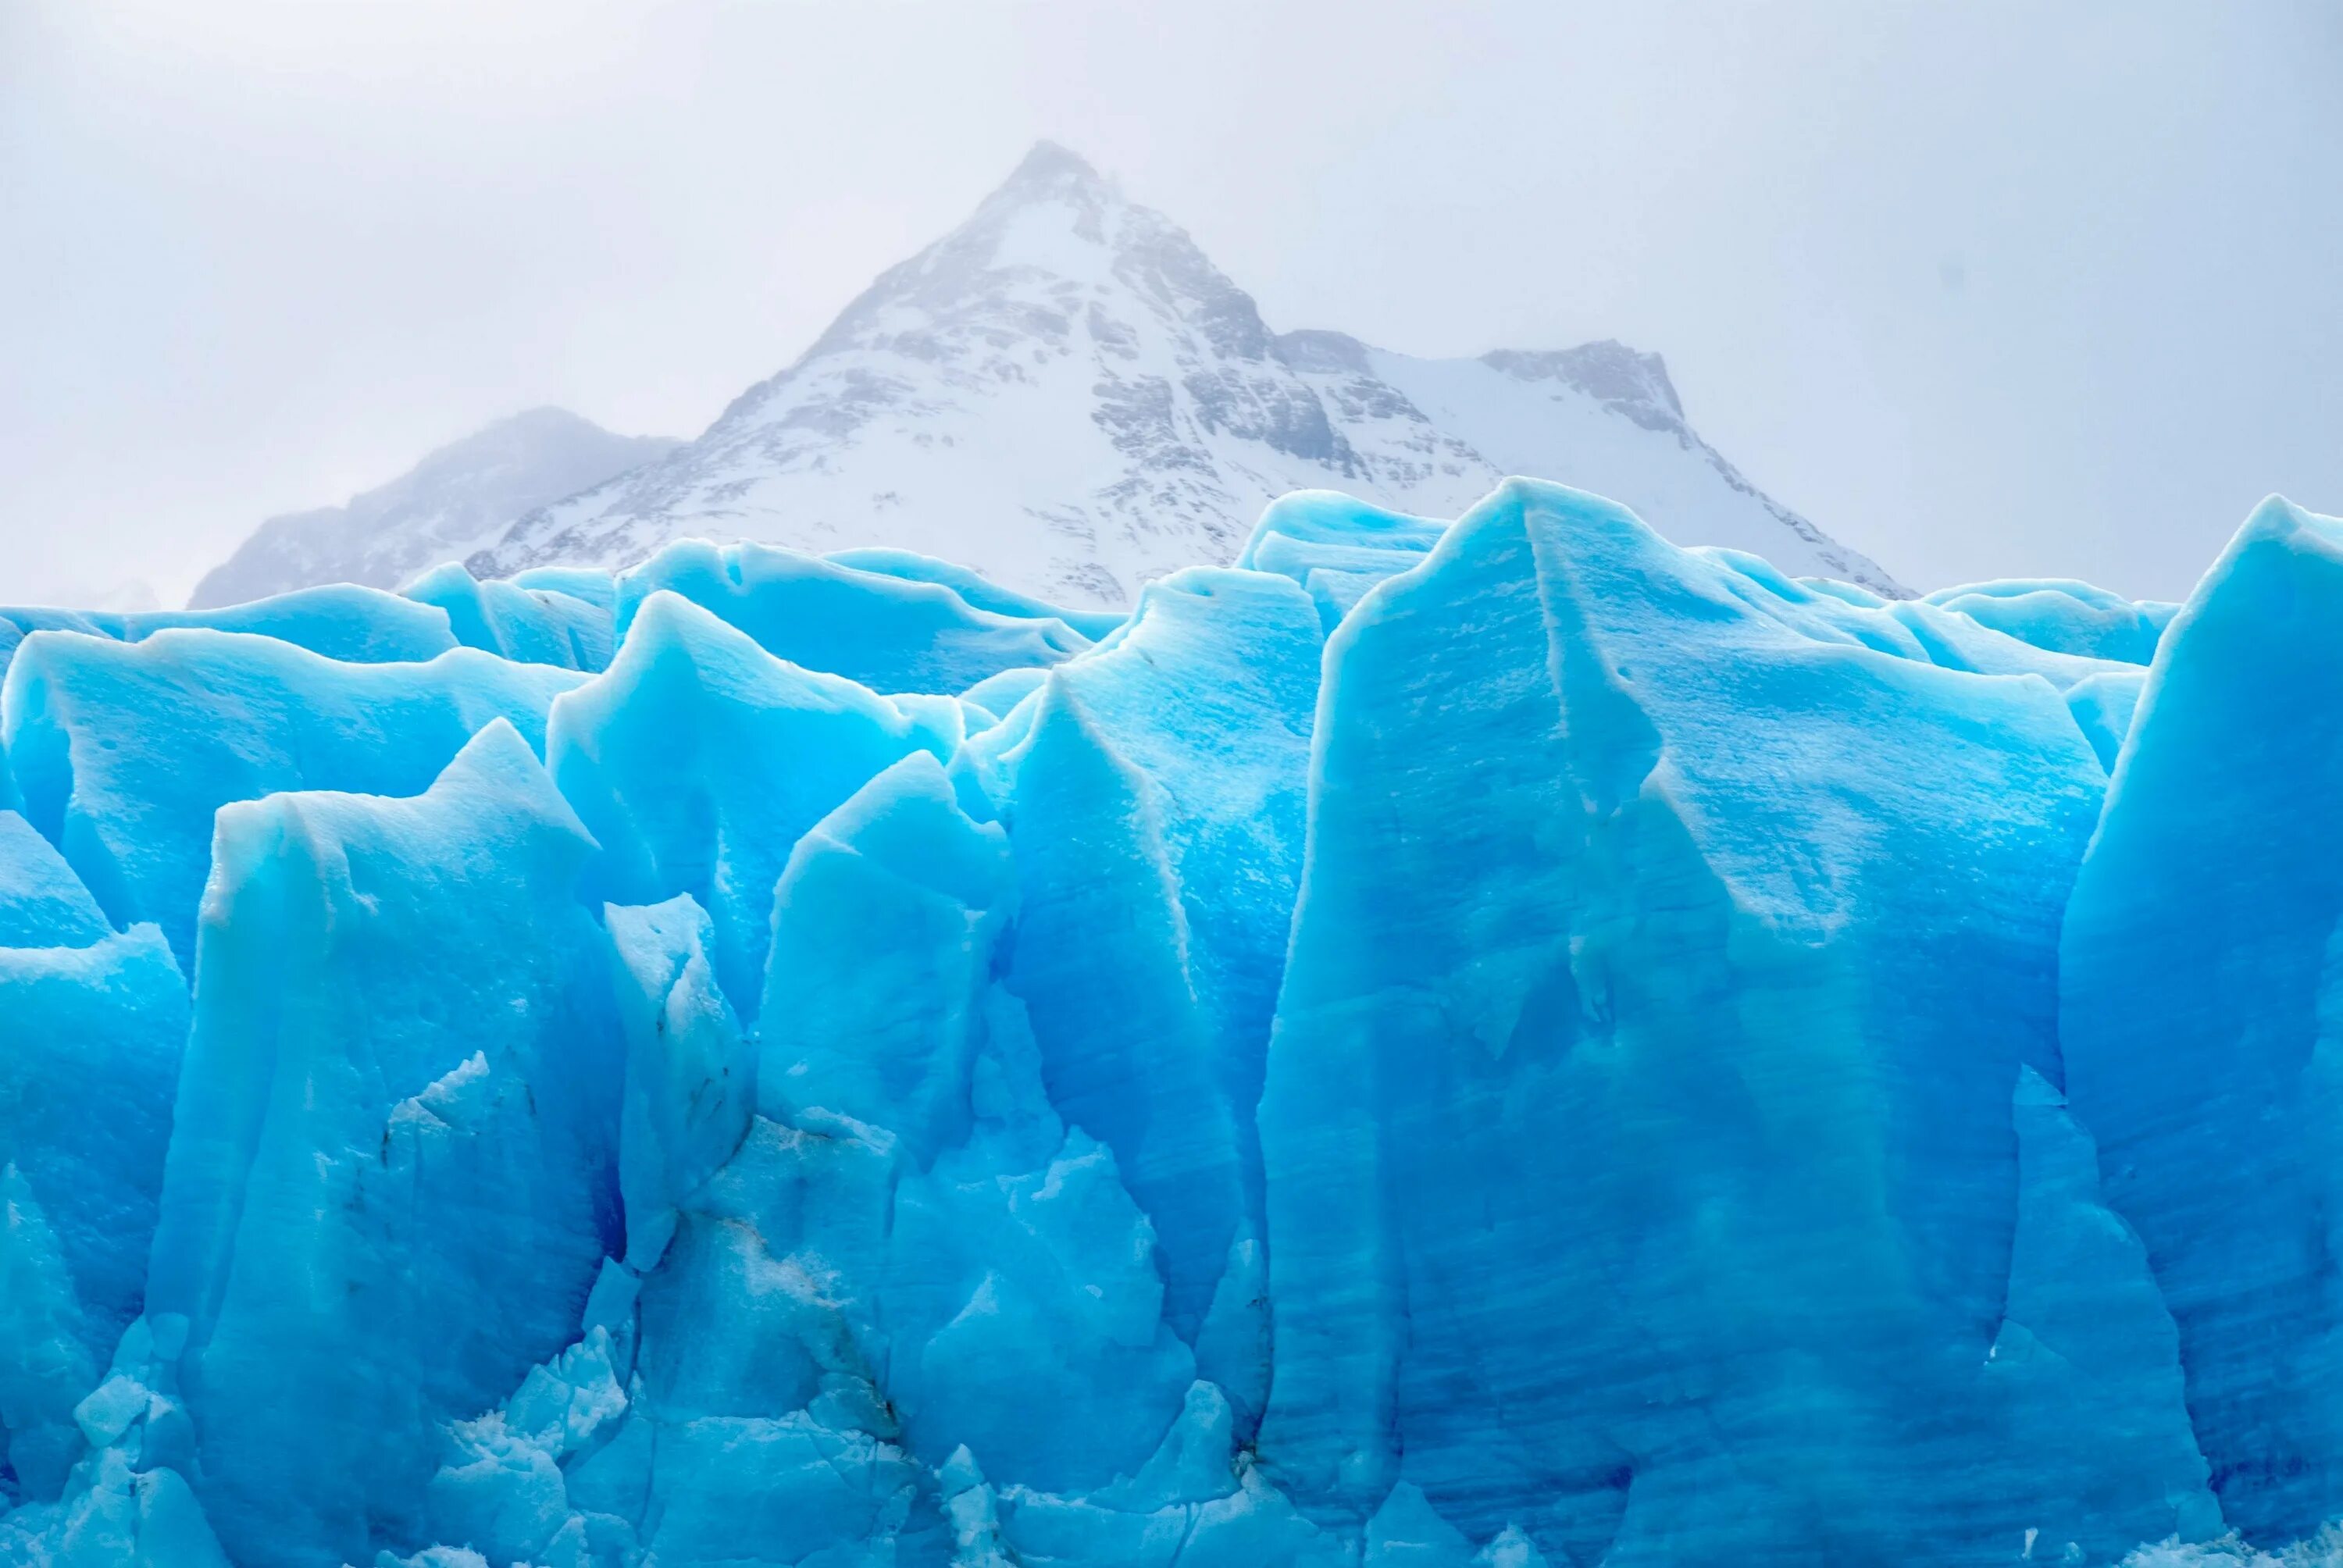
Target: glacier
1491, 1043
1065, 391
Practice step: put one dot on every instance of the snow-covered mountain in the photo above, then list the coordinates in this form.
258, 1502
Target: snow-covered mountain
1066, 394
456, 500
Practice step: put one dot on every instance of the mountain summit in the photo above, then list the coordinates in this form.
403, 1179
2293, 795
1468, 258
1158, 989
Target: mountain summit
1067, 395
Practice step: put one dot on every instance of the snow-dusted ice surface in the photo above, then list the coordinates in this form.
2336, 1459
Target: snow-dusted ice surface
1491, 1044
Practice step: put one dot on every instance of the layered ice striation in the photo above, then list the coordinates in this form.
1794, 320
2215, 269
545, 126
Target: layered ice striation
1492, 1044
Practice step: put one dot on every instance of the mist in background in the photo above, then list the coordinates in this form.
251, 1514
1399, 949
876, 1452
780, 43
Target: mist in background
1982, 289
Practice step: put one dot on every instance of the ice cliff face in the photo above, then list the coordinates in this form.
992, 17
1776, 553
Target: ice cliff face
446, 506
1507, 1043
1066, 395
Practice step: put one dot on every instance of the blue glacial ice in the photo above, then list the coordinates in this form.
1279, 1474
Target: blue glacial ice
1491, 1044
359, 624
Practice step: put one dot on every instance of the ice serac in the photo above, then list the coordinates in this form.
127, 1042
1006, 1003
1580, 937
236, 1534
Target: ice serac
92, 1024
121, 752
2201, 976
393, 1174
2065, 617
856, 1316
1017, 1262
887, 630
903, 859
591, 584
697, 760
1336, 547
359, 624
2087, 1345
976, 589
691, 1080
2104, 705
516, 621
1154, 796
1724, 952
42, 903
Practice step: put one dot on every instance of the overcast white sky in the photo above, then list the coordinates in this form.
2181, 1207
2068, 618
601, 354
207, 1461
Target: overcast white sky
1985, 290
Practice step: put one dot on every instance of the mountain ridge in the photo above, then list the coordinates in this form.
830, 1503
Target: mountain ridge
1066, 393
457, 495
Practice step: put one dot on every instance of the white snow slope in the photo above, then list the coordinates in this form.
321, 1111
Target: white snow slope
1066, 395
460, 498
